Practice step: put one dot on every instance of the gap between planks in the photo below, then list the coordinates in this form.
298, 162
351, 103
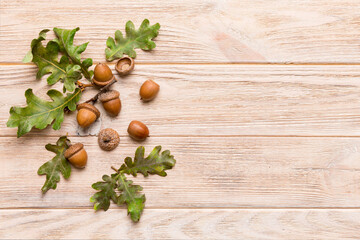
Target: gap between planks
219, 63
189, 208
197, 136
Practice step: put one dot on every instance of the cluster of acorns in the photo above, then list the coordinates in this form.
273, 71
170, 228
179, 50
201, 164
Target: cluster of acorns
108, 138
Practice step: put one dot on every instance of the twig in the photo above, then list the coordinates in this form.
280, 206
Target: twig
103, 89
82, 86
113, 168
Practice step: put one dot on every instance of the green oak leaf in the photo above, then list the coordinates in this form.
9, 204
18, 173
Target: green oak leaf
65, 39
40, 113
155, 163
141, 38
106, 193
57, 165
46, 58
130, 195
122, 191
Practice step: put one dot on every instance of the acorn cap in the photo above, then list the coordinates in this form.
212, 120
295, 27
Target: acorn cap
109, 95
102, 84
89, 107
124, 66
73, 149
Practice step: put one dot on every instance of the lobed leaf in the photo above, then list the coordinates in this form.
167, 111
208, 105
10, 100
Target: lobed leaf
130, 195
107, 192
65, 39
141, 38
155, 163
57, 165
40, 113
46, 58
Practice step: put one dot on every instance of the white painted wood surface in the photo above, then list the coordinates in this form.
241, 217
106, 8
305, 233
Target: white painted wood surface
210, 172
182, 224
264, 149
217, 100
197, 30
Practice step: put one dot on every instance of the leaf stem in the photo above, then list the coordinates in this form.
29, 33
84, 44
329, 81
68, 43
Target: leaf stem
103, 89
82, 86
113, 168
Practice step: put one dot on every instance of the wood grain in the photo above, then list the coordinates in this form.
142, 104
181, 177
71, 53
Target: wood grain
208, 100
196, 30
216, 172
264, 151
180, 224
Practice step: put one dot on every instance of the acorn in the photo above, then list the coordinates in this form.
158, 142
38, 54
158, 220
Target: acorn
138, 131
149, 90
102, 75
87, 114
124, 66
76, 155
111, 102
108, 139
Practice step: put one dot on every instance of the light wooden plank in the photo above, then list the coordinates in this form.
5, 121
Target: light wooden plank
180, 224
196, 30
210, 172
216, 100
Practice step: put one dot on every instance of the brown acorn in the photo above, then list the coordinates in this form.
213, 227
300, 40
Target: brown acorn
124, 66
102, 75
138, 131
87, 114
108, 139
149, 90
111, 102
76, 155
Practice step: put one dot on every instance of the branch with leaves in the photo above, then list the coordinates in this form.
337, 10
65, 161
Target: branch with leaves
61, 60
69, 69
118, 189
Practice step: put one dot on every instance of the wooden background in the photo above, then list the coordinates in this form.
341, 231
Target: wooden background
259, 103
